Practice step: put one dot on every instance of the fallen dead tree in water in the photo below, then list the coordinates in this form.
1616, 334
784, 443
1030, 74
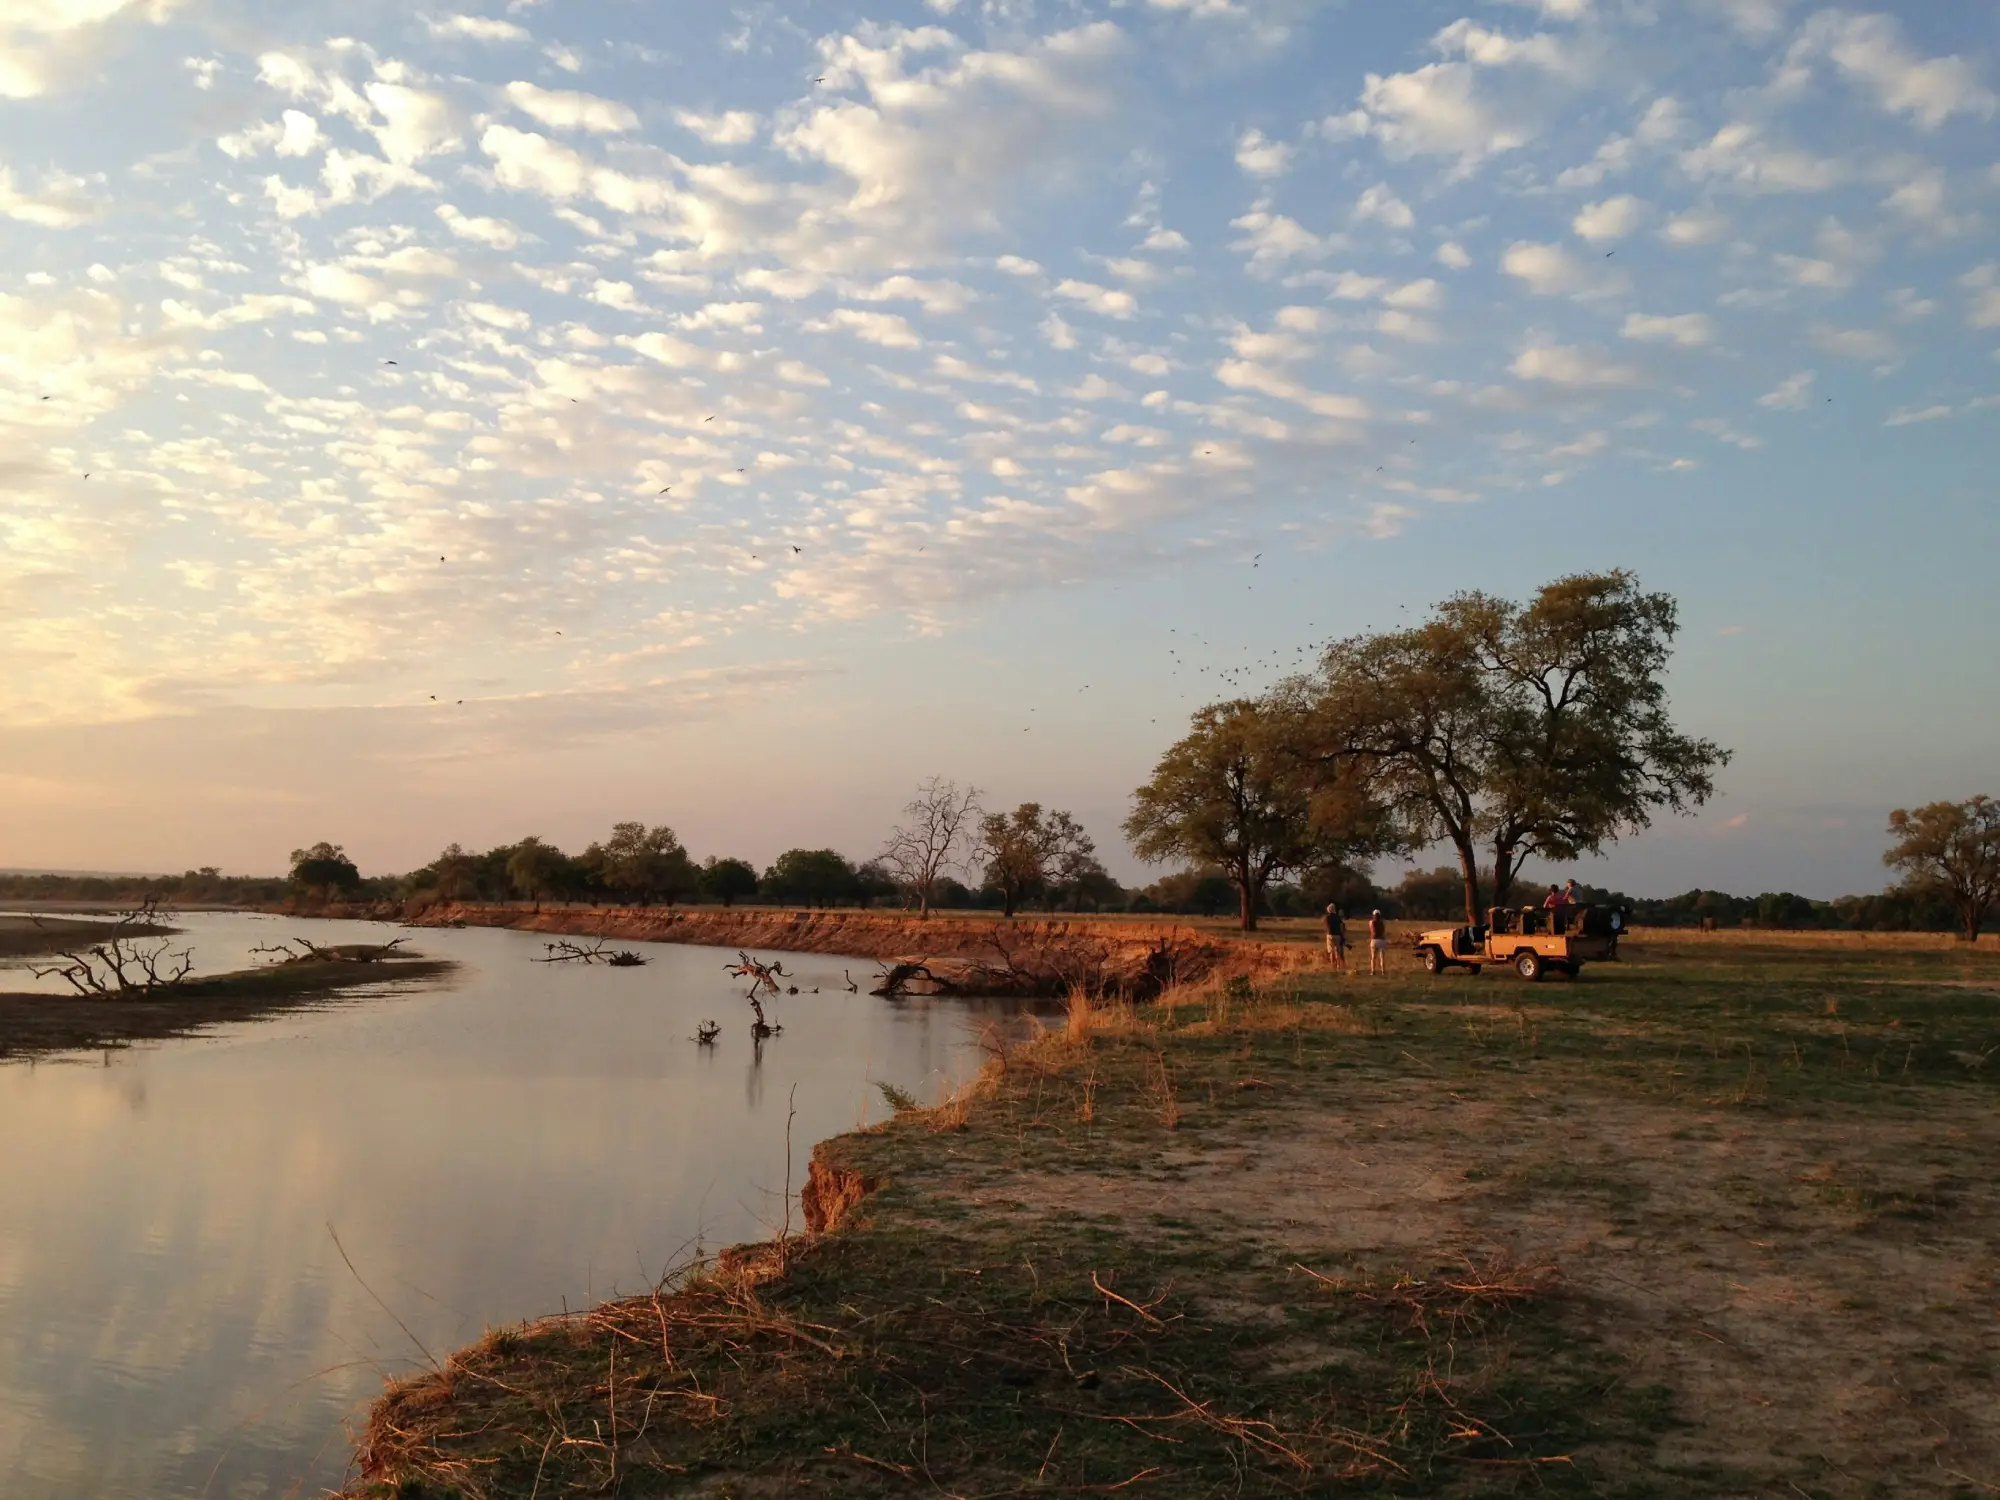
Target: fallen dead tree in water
304, 951
564, 952
761, 975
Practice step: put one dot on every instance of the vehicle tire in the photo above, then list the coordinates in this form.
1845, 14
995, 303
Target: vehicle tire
1474, 968
1529, 964
1434, 961
1573, 971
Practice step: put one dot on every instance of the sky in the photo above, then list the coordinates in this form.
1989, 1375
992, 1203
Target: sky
422, 424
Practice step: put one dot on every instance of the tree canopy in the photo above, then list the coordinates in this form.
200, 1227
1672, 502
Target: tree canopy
1950, 851
1510, 731
810, 877
1234, 794
1030, 853
728, 880
324, 871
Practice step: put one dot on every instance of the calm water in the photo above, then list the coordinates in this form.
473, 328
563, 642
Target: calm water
175, 1318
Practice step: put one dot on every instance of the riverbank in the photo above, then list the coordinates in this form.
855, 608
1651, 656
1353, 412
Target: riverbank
38, 936
965, 954
1716, 1221
36, 1025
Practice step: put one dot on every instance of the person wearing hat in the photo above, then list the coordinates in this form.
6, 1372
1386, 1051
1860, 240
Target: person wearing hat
1336, 938
1378, 943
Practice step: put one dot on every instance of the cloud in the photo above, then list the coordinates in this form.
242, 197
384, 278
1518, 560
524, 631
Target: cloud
1687, 331
1379, 203
1754, 18
41, 41
1698, 226
890, 330
1910, 417
1870, 51
933, 153
1790, 394
1574, 366
1923, 203
1101, 300
735, 127
1548, 270
478, 29
1271, 239
1737, 155
1854, 343
1259, 157
1984, 284
59, 202
1612, 219
1248, 375
1437, 110
564, 110
1452, 256
494, 233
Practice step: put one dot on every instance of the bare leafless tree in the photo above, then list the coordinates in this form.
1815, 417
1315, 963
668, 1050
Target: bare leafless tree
134, 959
936, 837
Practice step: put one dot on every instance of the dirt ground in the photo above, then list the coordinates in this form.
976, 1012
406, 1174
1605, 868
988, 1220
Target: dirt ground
1821, 1295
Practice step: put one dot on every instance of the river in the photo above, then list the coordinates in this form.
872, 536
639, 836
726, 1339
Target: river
177, 1317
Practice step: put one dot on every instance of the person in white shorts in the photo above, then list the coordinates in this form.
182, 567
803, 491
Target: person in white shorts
1378, 944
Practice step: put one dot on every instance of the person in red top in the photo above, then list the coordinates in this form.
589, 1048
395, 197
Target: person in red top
1378, 944
1554, 898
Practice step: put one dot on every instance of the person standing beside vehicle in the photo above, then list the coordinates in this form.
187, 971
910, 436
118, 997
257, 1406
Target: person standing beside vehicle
1336, 938
1378, 943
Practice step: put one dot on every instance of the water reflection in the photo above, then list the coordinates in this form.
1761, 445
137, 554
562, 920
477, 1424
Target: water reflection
175, 1317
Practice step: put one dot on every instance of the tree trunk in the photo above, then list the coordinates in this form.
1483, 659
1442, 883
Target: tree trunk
1468, 865
1248, 893
1007, 903
1505, 868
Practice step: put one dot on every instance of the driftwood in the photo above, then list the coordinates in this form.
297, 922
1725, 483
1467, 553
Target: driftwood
761, 975
895, 979
564, 952
132, 961
707, 1032
305, 951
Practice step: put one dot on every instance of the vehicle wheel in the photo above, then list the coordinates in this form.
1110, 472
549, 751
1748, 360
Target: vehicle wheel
1433, 961
1529, 965
1473, 967
1573, 971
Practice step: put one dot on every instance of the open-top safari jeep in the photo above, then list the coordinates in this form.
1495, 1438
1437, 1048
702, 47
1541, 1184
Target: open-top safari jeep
1536, 940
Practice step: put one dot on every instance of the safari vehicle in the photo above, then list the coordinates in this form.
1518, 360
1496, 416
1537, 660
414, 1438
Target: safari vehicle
1536, 940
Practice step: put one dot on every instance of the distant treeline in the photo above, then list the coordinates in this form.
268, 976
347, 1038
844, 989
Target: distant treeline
647, 867
204, 887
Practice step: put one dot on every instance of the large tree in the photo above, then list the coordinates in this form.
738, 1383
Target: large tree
324, 871
728, 880
648, 864
535, 868
1510, 731
815, 877
1029, 852
1232, 794
933, 839
1950, 851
